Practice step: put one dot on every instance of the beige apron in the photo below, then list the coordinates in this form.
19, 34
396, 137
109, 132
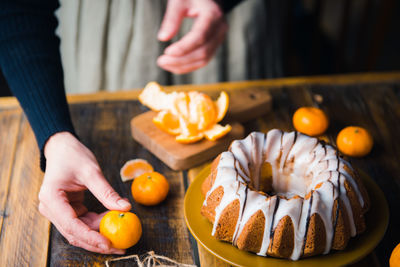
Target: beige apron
112, 45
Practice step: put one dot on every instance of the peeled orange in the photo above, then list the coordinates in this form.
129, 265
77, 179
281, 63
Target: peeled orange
188, 115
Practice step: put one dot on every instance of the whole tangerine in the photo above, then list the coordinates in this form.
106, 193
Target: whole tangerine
394, 260
354, 141
310, 120
150, 188
123, 229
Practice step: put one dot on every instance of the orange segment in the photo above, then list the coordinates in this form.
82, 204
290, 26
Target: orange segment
217, 131
167, 122
133, 168
221, 105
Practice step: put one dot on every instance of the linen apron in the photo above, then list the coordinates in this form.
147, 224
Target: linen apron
112, 45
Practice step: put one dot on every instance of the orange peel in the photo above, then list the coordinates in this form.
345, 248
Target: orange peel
217, 131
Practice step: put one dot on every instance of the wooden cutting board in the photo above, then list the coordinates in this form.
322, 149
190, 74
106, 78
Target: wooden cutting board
244, 105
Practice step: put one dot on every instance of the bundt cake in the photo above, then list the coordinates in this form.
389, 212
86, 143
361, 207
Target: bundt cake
284, 195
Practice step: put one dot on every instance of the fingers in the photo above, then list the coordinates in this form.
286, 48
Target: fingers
195, 59
103, 191
172, 20
93, 219
201, 32
64, 218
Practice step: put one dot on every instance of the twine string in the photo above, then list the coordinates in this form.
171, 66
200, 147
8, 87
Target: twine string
150, 259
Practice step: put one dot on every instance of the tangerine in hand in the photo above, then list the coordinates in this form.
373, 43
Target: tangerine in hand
150, 188
123, 229
311, 121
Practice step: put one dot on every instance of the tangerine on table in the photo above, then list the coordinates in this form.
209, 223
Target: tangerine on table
133, 168
310, 120
150, 188
123, 229
354, 141
394, 260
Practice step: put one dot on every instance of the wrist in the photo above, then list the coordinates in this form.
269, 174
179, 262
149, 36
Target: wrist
55, 141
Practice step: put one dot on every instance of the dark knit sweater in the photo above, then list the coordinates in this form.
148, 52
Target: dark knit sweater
31, 62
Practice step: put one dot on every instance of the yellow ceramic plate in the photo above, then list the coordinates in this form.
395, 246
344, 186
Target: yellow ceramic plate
376, 219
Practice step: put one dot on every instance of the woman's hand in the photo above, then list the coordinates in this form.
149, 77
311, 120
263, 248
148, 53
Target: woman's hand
71, 169
197, 47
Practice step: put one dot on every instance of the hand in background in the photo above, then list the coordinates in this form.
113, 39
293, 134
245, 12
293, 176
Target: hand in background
71, 169
196, 48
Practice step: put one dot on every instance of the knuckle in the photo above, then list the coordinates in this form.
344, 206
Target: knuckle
109, 193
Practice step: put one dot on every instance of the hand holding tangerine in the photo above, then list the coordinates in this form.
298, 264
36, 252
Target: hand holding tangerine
123, 229
150, 188
354, 141
310, 120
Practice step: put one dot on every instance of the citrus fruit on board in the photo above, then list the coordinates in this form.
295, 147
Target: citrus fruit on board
310, 120
394, 260
133, 168
354, 141
150, 188
123, 229
186, 115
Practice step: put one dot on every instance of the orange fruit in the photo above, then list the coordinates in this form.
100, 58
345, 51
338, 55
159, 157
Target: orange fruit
123, 229
202, 111
394, 260
133, 168
354, 141
154, 97
217, 131
150, 188
167, 122
310, 120
221, 105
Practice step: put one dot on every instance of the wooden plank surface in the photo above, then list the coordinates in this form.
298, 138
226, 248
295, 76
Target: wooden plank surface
102, 122
24, 233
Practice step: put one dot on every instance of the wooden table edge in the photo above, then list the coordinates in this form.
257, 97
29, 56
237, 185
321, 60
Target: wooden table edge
132, 94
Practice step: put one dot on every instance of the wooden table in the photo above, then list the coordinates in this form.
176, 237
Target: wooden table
102, 122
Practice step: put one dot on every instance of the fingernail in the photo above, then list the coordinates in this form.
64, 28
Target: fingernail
123, 204
162, 35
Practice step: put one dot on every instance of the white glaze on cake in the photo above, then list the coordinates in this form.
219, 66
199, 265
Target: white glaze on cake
299, 163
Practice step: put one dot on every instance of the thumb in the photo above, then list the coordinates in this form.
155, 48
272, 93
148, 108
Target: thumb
172, 20
103, 191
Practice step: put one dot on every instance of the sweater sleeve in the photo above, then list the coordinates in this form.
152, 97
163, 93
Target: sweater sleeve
31, 63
